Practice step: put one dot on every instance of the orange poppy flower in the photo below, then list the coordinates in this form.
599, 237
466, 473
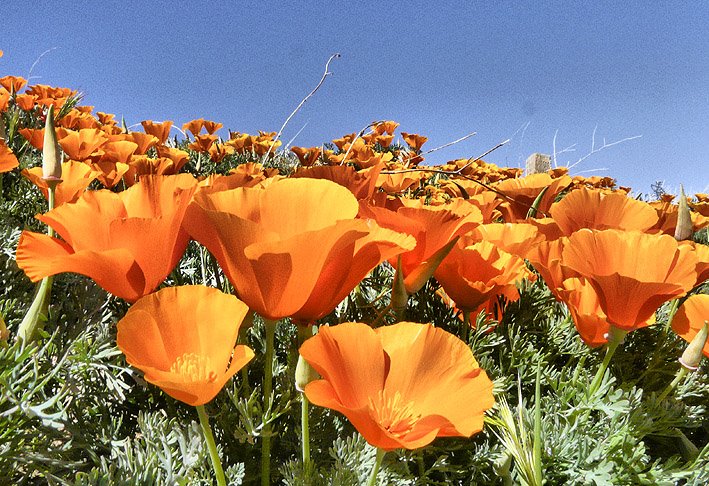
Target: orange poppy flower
80, 145
145, 141
118, 151
4, 99
212, 126
76, 177
419, 382
178, 157
633, 273
194, 126
586, 208
585, 308
202, 143
668, 214
13, 83
546, 259
521, 192
159, 130
517, 238
307, 156
361, 183
414, 140
8, 161
433, 227
474, 273
35, 136
110, 173
184, 340
690, 318
25, 102
263, 238
127, 242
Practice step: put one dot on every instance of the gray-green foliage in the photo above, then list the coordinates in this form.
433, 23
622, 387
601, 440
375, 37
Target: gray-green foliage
72, 411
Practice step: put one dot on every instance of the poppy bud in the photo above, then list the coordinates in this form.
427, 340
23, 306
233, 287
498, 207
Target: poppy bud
683, 231
3, 135
399, 295
51, 153
692, 356
304, 374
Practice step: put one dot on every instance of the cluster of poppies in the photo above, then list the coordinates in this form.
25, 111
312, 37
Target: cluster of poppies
294, 245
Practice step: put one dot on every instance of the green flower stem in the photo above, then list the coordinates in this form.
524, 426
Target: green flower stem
670, 314
211, 445
38, 313
267, 390
678, 378
421, 464
615, 339
305, 428
537, 445
375, 469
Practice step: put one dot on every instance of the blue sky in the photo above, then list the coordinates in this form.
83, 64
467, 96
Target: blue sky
442, 69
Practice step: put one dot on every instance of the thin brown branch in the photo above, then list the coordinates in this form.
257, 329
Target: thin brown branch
302, 102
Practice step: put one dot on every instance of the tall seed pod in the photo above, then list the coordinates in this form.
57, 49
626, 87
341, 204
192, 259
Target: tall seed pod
683, 230
51, 152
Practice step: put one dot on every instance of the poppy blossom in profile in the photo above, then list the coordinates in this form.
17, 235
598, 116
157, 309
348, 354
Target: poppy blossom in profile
474, 273
587, 208
159, 130
690, 318
633, 273
126, 242
76, 177
293, 248
520, 193
420, 382
184, 340
588, 316
434, 227
8, 161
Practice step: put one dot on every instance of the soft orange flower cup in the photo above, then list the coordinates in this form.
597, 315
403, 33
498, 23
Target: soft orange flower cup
183, 339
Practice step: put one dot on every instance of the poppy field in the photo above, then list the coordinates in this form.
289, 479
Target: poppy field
186, 304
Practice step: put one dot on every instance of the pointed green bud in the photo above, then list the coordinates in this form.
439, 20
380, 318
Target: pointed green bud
692, 356
399, 295
423, 272
3, 135
51, 152
683, 231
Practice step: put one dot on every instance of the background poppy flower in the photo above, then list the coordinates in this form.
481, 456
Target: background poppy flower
402, 385
184, 340
690, 318
473, 273
294, 248
127, 242
586, 208
633, 273
76, 177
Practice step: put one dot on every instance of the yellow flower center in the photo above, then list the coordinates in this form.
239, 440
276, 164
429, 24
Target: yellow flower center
194, 367
392, 414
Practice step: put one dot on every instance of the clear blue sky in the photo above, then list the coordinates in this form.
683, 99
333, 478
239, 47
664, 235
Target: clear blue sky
441, 69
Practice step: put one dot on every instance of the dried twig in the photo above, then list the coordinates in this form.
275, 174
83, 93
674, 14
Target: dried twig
300, 105
359, 135
450, 143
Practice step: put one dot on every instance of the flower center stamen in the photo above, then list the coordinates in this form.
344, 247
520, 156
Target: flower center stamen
395, 416
195, 367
